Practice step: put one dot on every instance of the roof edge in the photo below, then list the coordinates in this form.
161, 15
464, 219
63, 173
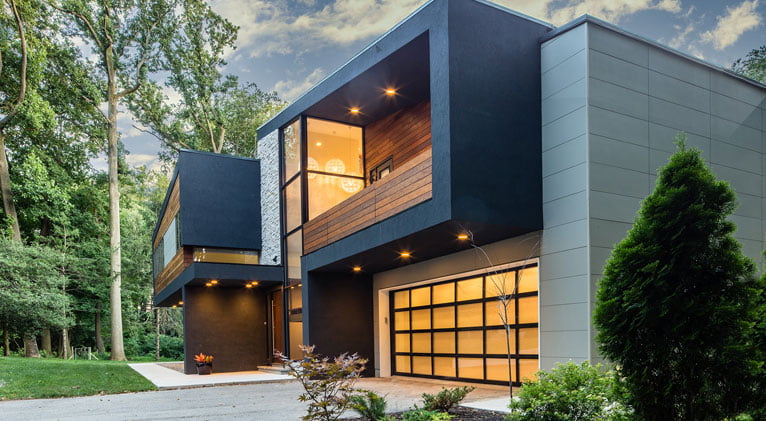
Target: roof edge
654, 43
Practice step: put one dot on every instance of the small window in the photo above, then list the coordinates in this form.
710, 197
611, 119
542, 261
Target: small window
381, 170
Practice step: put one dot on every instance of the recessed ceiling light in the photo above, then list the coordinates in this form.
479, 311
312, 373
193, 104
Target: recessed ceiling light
354, 110
249, 286
405, 254
180, 303
319, 143
390, 91
357, 269
299, 285
209, 284
254, 283
214, 281
462, 237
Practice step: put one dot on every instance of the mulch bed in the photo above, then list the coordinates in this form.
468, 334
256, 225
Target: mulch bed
461, 414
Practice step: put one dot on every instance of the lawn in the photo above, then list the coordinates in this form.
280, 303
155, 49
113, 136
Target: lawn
28, 378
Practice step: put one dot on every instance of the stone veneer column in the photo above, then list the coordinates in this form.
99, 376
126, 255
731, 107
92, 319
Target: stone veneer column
268, 154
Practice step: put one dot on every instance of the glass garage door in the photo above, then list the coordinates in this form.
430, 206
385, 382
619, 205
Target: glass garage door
455, 329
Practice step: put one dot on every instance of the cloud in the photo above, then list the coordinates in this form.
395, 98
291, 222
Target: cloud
274, 27
681, 38
291, 89
151, 162
732, 25
610, 10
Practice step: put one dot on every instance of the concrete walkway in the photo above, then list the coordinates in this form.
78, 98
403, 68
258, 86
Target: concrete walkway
166, 378
257, 401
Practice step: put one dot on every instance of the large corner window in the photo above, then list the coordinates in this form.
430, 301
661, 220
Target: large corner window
334, 164
168, 246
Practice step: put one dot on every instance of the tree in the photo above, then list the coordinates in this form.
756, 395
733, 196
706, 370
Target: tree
31, 294
126, 37
677, 304
753, 65
215, 112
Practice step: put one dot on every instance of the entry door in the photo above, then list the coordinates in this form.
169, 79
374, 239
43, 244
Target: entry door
278, 321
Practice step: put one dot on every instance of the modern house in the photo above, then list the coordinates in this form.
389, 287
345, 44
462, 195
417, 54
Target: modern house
469, 153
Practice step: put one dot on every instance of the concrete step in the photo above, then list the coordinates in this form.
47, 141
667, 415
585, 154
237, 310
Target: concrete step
273, 369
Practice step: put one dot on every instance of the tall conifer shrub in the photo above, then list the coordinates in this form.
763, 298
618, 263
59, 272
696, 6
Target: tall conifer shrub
678, 303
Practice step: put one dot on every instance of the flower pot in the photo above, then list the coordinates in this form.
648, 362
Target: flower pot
204, 368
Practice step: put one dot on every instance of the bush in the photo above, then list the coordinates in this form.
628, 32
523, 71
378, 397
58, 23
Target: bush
446, 399
677, 306
328, 383
370, 406
571, 392
422, 414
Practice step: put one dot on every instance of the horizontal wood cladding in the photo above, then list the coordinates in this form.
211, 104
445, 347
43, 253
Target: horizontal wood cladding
404, 188
174, 204
402, 136
177, 264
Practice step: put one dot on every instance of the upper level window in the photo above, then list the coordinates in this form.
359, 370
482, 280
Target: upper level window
291, 149
334, 164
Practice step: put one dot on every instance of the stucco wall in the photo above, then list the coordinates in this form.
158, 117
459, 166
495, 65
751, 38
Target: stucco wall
268, 153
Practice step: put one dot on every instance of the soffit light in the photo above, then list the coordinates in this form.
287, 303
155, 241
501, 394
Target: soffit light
390, 91
249, 286
462, 237
405, 254
208, 284
357, 268
354, 110
214, 281
180, 303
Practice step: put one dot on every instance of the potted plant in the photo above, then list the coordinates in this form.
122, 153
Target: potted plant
204, 363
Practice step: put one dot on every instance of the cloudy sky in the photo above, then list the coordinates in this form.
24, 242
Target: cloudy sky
289, 45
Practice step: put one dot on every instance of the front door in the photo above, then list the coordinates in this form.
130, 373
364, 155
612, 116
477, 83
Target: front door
278, 322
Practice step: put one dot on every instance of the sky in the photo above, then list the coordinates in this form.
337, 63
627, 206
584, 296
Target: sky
288, 46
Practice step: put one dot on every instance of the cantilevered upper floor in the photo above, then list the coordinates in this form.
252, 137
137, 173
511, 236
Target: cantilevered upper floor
209, 227
425, 134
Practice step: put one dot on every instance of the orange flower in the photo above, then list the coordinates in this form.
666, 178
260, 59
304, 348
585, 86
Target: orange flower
202, 358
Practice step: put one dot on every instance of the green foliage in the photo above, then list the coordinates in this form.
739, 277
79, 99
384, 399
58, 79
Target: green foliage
370, 406
753, 65
422, 414
28, 378
446, 398
571, 392
677, 304
328, 383
31, 294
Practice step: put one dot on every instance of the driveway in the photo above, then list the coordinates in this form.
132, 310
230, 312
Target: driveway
266, 401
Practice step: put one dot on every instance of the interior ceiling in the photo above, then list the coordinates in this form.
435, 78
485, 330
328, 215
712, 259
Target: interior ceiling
406, 70
436, 241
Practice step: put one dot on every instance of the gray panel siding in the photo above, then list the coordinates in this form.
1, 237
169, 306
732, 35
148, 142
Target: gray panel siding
268, 153
639, 98
564, 276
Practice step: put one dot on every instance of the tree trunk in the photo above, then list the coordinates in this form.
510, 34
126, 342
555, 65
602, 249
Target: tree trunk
156, 333
5, 190
99, 338
115, 290
46, 342
65, 343
6, 341
30, 346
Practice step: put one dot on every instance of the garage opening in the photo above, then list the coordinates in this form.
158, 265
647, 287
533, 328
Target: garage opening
456, 329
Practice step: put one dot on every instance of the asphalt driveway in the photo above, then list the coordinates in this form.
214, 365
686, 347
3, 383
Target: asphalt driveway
265, 401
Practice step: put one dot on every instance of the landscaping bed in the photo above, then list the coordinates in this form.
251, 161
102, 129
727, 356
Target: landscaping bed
460, 413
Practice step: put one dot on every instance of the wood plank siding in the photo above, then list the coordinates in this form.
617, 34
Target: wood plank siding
405, 187
174, 204
177, 264
401, 136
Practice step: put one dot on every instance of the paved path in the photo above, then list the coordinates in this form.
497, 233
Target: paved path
167, 378
270, 401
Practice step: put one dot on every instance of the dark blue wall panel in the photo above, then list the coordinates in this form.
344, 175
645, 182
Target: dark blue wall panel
220, 200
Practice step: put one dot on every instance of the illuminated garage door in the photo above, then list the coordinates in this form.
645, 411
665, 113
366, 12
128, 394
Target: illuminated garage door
455, 329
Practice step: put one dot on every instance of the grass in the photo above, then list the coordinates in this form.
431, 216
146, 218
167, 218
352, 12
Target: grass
31, 378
